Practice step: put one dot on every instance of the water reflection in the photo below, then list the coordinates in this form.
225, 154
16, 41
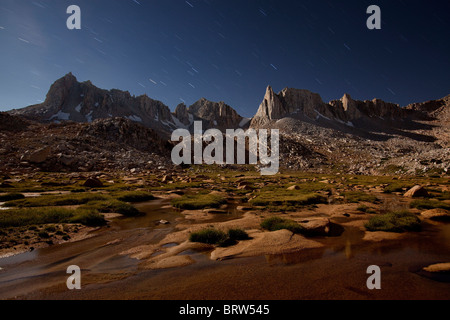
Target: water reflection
434, 239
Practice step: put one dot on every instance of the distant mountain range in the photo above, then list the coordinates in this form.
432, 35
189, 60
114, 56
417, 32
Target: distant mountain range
76, 101
345, 135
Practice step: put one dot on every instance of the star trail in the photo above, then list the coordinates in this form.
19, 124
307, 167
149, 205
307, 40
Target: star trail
228, 51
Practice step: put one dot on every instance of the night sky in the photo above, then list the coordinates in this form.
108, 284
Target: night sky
227, 50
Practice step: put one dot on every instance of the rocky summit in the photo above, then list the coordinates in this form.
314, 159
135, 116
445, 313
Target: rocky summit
358, 137
81, 127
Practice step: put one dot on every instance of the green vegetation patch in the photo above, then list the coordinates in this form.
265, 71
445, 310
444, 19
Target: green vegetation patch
359, 196
39, 216
444, 196
177, 186
218, 237
135, 196
399, 221
287, 198
90, 218
56, 200
365, 209
398, 186
198, 201
208, 236
238, 234
112, 206
302, 187
277, 223
422, 204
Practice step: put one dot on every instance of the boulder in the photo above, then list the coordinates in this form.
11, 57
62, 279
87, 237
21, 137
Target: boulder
93, 182
436, 214
317, 226
292, 188
166, 179
40, 155
417, 191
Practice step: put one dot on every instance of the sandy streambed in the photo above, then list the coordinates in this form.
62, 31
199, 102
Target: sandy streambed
138, 258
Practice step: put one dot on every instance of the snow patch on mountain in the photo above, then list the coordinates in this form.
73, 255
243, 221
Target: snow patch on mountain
60, 116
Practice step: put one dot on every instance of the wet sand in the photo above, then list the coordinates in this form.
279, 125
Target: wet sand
335, 271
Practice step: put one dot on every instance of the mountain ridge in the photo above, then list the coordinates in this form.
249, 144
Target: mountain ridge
351, 136
290, 101
69, 99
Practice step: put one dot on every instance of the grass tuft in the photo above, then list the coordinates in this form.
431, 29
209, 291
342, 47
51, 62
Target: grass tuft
277, 223
287, 199
39, 216
220, 238
398, 187
359, 196
399, 221
135, 196
365, 209
198, 201
113, 206
90, 218
208, 236
56, 200
422, 204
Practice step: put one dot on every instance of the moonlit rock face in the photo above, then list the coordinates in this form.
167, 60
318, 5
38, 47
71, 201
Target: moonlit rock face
215, 114
182, 115
303, 104
69, 99
277, 106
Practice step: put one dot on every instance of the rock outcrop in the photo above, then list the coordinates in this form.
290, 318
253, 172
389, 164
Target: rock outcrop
298, 103
416, 191
182, 114
123, 131
104, 144
356, 137
436, 214
215, 114
71, 100
287, 102
364, 137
